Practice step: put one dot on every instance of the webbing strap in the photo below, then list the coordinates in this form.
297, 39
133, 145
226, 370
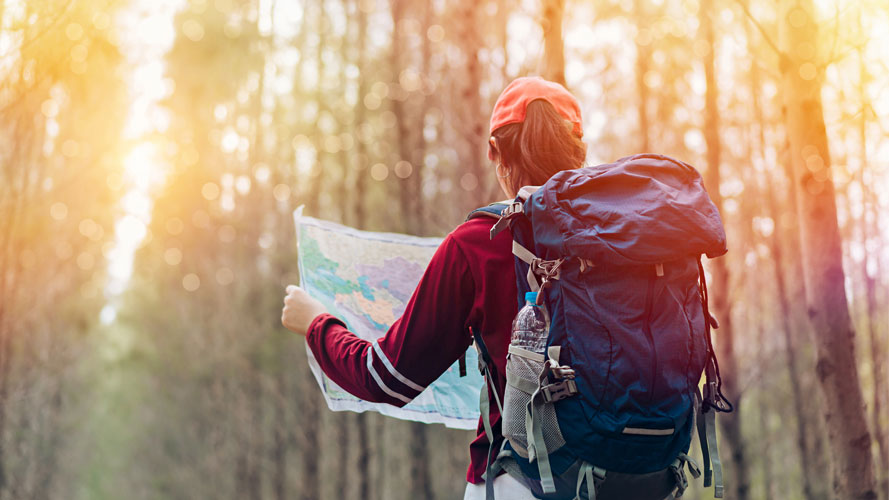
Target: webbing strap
702, 439
526, 256
710, 425
534, 431
521, 384
524, 353
484, 405
494, 469
499, 226
523, 253
588, 474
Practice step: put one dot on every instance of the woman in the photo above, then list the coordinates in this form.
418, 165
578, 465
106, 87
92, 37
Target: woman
469, 285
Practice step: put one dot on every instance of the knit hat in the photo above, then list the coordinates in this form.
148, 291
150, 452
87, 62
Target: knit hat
510, 106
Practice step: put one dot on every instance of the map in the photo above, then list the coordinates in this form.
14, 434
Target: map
366, 279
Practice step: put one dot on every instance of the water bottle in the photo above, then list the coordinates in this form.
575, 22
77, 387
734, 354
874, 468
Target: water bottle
529, 326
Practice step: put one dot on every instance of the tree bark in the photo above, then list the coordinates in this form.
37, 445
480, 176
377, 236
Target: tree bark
828, 311
553, 45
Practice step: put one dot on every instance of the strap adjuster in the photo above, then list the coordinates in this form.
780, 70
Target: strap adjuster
559, 390
548, 269
513, 208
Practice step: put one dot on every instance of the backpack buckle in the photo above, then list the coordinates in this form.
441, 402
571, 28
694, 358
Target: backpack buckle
506, 215
558, 391
513, 208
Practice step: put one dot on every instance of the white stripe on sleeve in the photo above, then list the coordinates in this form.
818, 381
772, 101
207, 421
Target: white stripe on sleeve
376, 376
401, 378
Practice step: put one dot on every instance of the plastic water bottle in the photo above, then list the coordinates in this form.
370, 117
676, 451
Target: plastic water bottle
529, 326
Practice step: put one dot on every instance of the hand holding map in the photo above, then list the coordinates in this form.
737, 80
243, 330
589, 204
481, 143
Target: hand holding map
365, 279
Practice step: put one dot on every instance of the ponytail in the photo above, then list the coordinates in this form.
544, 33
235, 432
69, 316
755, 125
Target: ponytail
539, 147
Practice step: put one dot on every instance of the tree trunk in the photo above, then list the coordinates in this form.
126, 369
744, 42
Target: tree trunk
643, 53
472, 130
418, 458
803, 427
828, 311
404, 127
362, 423
755, 317
553, 45
316, 173
730, 423
359, 195
310, 443
869, 230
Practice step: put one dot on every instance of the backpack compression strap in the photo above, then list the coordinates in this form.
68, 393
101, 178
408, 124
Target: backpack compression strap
484, 366
712, 401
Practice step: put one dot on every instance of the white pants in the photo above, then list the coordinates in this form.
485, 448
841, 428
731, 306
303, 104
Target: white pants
506, 487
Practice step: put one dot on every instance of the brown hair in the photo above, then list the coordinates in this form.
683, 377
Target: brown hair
536, 149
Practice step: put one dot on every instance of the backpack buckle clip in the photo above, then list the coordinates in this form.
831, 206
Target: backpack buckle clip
559, 390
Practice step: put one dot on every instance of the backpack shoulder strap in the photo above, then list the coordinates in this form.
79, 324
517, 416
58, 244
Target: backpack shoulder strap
493, 210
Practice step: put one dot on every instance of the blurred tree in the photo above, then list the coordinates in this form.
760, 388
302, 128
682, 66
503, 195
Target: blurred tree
722, 307
554, 47
60, 182
822, 254
869, 229
643, 53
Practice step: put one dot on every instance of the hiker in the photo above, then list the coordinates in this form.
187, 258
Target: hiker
469, 291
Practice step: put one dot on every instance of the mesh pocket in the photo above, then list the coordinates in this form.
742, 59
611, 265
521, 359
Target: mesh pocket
515, 404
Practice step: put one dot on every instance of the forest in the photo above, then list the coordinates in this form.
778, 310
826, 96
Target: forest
152, 154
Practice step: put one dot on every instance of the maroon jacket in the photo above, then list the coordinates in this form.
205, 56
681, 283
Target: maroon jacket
468, 286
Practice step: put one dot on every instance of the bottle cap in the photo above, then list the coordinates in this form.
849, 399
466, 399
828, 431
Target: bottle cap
531, 297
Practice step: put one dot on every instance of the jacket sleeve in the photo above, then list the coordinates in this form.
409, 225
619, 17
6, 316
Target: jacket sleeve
428, 338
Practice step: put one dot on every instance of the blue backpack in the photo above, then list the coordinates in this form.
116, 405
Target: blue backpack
615, 254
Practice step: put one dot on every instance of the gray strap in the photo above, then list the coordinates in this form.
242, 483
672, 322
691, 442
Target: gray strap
523, 253
692, 465
492, 468
702, 439
534, 431
533, 356
588, 474
555, 353
499, 226
710, 425
585, 474
495, 469
527, 256
521, 384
